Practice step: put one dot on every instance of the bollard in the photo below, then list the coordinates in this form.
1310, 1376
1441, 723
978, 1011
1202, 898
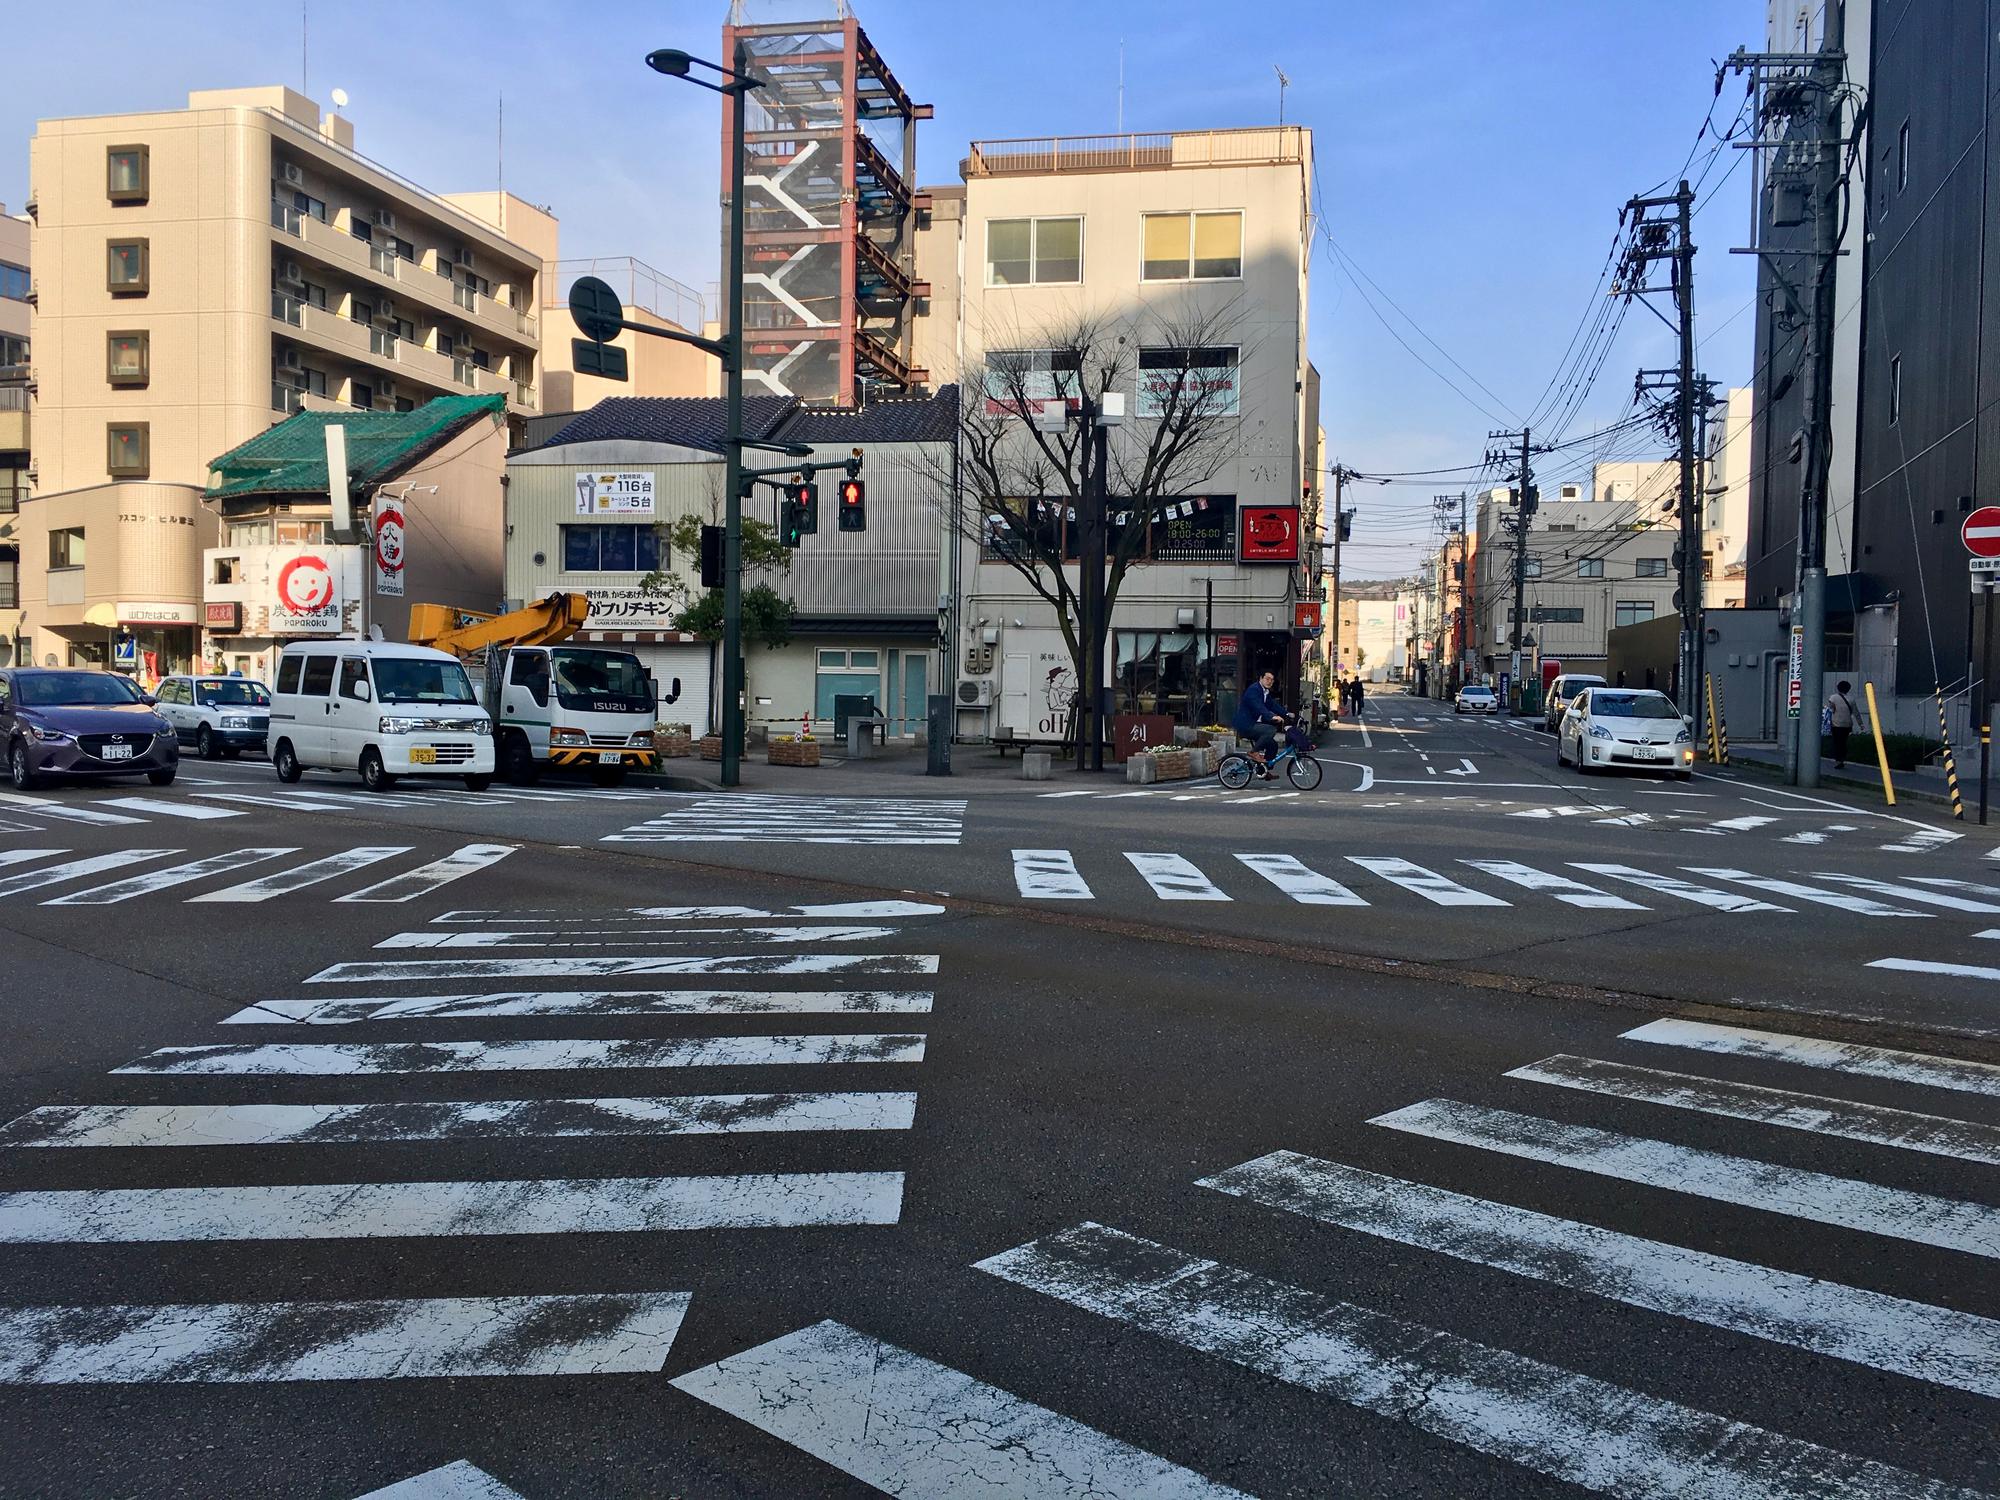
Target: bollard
1950, 765
1036, 765
1718, 727
1881, 755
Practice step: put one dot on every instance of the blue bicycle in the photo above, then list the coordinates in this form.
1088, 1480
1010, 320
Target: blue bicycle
1237, 769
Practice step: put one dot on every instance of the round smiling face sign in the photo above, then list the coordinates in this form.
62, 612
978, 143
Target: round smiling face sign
305, 586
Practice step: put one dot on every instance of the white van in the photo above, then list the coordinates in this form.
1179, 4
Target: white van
382, 709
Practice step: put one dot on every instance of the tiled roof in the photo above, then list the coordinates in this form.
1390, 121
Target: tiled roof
921, 419
684, 421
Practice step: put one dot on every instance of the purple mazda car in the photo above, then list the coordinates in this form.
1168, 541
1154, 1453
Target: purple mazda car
73, 723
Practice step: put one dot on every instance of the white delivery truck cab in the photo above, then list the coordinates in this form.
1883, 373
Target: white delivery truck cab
382, 709
572, 706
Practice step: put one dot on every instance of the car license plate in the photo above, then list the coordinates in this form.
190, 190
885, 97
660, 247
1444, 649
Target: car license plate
117, 752
609, 758
1645, 752
423, 755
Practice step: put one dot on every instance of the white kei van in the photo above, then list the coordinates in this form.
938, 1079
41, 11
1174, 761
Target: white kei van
383, 709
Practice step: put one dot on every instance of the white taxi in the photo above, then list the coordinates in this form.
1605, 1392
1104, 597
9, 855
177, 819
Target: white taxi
1632, 729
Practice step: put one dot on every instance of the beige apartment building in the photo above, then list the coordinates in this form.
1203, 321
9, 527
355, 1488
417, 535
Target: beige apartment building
1140, 234
15, 314
200, 274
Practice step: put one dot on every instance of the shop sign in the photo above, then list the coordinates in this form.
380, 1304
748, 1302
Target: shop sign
306, 596
1270, 534
621, 492
225, 618
1306, 615
156, 614
629, 609
388, 548
1226, 645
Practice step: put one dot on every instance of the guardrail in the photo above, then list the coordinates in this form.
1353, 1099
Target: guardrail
1040, 155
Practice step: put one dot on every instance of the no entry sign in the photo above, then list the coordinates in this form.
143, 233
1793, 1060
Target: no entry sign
1982, 531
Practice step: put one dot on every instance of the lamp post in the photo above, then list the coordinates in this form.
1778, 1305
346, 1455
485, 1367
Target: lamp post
735, 87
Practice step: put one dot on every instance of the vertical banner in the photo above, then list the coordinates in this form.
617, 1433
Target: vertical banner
1795, 689
388, 548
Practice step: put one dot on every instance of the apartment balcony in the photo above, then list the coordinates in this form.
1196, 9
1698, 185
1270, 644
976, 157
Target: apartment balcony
13, 419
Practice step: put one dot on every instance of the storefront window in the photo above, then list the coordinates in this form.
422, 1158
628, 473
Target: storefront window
1168, 672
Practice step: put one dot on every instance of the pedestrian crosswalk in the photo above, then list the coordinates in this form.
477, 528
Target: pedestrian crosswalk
910, 1423
25, 812
49, 870
1377, 879
249, 1103
767, 818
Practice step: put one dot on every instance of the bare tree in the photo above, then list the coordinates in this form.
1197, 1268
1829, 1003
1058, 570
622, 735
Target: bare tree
1024, 489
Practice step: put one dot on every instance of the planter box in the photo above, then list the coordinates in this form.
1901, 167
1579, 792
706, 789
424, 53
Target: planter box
711, 747
793, 753
1221, 741
1173, 765
1202, 761
674, 746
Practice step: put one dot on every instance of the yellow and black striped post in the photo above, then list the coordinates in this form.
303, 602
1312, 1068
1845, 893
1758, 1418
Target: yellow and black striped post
1950, 765
1718, 728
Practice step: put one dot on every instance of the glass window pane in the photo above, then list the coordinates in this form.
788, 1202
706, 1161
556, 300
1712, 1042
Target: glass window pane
1059, 250
833, 660
580, 549
1007, 252
616, 551
868, 659
127, 264
1218, 245
648, 541
1166, 247
126, 355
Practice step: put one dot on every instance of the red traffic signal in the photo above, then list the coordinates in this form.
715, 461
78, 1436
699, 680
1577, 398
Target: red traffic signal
805, 496
853, 505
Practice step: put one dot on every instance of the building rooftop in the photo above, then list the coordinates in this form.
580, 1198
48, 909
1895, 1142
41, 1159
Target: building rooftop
1041, 156
697, 421
290, 458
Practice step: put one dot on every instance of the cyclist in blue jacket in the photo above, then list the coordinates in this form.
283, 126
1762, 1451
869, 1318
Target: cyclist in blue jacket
1260, 718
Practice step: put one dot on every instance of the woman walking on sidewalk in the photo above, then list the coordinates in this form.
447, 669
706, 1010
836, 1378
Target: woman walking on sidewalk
1840, 715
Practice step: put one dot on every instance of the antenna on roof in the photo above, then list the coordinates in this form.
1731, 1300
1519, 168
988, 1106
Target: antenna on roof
1284, 82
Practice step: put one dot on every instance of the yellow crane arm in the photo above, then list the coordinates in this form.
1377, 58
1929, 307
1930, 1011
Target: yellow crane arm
466, 631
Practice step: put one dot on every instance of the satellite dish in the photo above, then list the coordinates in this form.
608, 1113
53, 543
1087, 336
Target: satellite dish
340, 98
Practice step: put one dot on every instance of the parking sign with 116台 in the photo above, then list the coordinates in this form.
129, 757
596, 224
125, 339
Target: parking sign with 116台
624, 492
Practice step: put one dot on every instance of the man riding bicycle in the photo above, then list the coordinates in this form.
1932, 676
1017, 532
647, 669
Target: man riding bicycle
1261, 718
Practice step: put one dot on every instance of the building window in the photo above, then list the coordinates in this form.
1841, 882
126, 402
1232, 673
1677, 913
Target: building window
1197, 247
126, 174
1531, 567
66, 548
361, 395
1708, 567
309, 206
127, 273
1649, 567
1903, 157
611, 549
128, 455
1547, 614
1590, 567
1020, 252
1632, 612
127, 358
1204, 378
1034, 375
1895, 390
14, 281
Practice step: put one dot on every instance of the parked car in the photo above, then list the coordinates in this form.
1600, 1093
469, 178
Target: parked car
59, 723
1473, 699
1639, 729
216, 715
382, 709
1562, 688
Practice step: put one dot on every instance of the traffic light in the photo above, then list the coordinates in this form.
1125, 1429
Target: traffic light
805, 496
711, 557
791, 522
853, 505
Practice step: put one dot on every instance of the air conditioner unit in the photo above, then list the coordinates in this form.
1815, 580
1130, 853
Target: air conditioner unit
384, 389
290, 172
463, 257
288, 358
976, 693
385, 311
290, 273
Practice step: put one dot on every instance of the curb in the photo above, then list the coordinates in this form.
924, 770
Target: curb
1768, 769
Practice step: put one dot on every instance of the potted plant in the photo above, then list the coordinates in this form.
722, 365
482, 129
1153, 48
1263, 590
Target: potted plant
792, 750
673, 741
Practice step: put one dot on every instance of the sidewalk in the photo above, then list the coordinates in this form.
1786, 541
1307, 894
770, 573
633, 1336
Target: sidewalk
1925, 784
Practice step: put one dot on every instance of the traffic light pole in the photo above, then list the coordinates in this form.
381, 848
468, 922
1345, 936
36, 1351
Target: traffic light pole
738, 90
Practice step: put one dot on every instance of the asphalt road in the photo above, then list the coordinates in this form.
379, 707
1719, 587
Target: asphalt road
1034, 1139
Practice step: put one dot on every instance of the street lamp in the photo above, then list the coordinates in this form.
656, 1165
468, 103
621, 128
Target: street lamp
735, 86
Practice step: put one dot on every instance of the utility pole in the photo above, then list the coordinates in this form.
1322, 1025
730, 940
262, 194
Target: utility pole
1524, 511
1342, 520
1804, 96
1441, 509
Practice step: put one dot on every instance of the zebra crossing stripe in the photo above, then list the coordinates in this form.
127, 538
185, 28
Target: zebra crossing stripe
1175, 879
59, 1125
338, 1060
1569, 892
1668, 885
1919, 894
1935, 1344
455, 1481
74, 811
1860, 905
160, 808
1305, 886
910, 1427
77, 869
1552, 1421
1839, 1057
24, 856
1922, 840
239, 1342
1919, 1218
1049, 875
426, 878
584, 1003
1432, 886
1927, 966
549, 967
1741, 825
1944, 884
551, 938
160, 880
397, 1210
1936, 1135
848, 909
300, 876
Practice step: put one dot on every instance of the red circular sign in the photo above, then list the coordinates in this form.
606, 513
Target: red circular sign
1982, 531
305, 585
389, 540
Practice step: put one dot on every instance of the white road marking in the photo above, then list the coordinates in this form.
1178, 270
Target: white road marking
1306, 886
1175, 879
1920, 1218
1668, 885
160, 880
637, 914
1936, 1135
1049, 875
1921, 894
455, 1481
1944, 884
1590, 1432
609, 1333
548, 939
161, 808
84, 1125
1922, 841
1432, 886
1569, 892
337, 1060
392, 1210
548, 967
584, 1003
77, 812
1626, 820
1741, 825
1803, 838
1926, 966
311, 873
909, 1427
1563, 811
1085, 793
1861, 906
427, 878
23, 856
1811, 1052
1936, 1344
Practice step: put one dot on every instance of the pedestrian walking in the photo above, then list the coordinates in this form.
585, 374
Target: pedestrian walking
1838, 719
1360, 697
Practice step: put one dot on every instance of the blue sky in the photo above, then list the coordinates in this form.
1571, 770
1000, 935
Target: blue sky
1472, 154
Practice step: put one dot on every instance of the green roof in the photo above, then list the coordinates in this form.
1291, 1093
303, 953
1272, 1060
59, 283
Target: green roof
290, 458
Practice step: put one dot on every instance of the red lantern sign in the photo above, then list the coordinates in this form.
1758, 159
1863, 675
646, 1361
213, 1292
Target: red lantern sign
1270, 534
